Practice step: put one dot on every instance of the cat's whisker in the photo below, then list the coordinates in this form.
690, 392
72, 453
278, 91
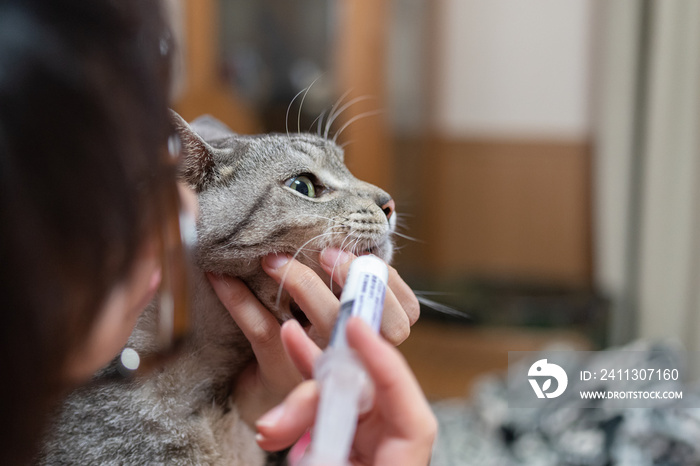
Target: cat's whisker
333, 116
368, 246
439, 307
333, 222
401, 224
348, 233
361, 246
201, 349
337, 227
380, 247
318, 121
399, 248
353, 120
301, 104
349, 236
307, 255
347, 143
335, 266
342, 248
410, 238
296, 254
370, 205
329, 121
354, 247
289, 107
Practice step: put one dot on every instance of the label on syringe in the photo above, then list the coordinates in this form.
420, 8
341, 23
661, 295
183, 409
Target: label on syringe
363, 296
341, 375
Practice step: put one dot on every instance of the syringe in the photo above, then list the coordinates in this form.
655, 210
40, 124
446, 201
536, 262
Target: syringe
342, 376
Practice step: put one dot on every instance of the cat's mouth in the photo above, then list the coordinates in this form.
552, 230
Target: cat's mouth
298, 314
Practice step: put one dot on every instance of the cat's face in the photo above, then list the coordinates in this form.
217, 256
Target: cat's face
277, 193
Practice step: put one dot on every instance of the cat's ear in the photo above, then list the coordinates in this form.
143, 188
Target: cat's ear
197, 165
211, 129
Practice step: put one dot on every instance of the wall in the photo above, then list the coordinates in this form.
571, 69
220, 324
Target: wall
506, 167
512, 68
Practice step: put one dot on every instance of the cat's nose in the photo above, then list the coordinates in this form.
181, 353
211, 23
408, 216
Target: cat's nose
389, 208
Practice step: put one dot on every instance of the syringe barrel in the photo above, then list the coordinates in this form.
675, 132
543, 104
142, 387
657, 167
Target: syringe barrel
363, 296
343, 379
339, 372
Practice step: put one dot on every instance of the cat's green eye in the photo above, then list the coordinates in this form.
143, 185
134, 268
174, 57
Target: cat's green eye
302, 184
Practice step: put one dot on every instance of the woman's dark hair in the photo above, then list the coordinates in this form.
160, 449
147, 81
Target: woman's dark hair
83, 127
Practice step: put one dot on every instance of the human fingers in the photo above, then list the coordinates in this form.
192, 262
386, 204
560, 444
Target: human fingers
401, 309
337, 263
286, 423
397, 393
308, 290
300, 348
257, 323
405, 296
273, 375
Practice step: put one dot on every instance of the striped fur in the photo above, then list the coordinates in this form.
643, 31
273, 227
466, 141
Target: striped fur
184, 414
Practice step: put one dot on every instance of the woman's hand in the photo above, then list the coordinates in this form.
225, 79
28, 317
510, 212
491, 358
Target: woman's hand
401, 309
400, 428
273, 375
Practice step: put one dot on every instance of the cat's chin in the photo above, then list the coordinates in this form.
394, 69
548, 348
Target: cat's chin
274, 297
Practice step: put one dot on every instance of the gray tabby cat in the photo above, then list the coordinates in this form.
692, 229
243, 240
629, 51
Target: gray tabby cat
257, 195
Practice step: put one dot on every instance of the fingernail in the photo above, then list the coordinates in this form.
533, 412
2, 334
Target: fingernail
332, 257
270, 418
293, 323
215, 276
275, 261
222, 279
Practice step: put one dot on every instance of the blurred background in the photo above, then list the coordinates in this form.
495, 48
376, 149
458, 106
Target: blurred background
542, 153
